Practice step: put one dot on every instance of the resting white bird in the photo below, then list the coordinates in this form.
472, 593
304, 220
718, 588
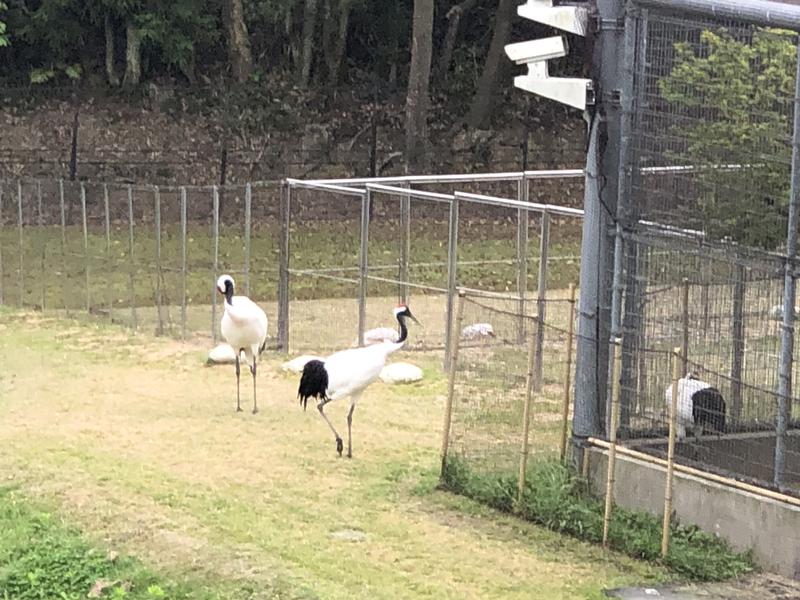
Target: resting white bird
477, 331
700, 405
347, 374
244, 327
379, 335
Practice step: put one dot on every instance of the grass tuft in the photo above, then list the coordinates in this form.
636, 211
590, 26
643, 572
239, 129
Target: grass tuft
41, 558
555, 497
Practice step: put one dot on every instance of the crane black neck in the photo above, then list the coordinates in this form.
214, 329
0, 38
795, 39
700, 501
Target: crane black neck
229, 292
401, 319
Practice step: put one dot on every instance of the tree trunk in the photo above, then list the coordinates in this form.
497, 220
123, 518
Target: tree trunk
336, 52
133, 56
484, 97
239, 55
453, 21
111, 68
309, 28
418, 81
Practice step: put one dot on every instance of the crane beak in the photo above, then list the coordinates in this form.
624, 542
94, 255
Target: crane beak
413, 318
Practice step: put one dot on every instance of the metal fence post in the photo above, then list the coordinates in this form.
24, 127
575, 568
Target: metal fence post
567, 373
43, 237
248, 208
183, 263
85, 249
21, 251
283, 271
109, 268
451, 385
405, 244
159, 272
523, 222
2, 273
363, 265
65, 277
526, 413
452, 279
131, 262
541, 298
789, 294
685, 322
737, 334
214, 259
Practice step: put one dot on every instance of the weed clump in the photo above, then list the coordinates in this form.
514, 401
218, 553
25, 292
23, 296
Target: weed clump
555, 497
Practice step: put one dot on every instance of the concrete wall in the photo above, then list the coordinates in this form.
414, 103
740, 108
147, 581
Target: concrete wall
771, 528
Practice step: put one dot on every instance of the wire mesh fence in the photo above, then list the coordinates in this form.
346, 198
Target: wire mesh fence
501, 413
705, 256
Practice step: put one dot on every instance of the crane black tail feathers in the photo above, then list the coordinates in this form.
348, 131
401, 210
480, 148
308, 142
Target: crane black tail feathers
313, 383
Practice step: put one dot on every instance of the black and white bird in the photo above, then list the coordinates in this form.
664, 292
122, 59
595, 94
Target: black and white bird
347, 374
700, 406
244, 327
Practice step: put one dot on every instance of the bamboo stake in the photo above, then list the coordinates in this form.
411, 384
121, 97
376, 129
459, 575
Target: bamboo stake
526, 416
567, 374
612, 454
673, 415
451, 381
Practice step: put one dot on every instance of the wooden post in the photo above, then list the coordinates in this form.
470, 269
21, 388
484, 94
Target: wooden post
612, 438
451, 380
685, 307
567, 374
86, 249
673, 415
131, 261
526, 413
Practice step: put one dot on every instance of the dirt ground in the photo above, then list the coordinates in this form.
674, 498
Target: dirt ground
135, 441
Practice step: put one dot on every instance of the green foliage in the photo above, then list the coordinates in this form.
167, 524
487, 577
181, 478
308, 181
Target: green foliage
40, 558
554, 497
3, 29
735, 100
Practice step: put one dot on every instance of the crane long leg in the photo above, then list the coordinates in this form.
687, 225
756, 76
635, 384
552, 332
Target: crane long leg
339, 445
253, 371
238, 402
349, 430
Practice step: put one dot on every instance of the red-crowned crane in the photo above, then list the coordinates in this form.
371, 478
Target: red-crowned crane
244, 327
700, 406
349, 373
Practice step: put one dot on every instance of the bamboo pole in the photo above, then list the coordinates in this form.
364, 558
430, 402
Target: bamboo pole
612, 454
727, 481
677, 362
567, 374
86, 259
451, 381
526, 413
159, 270
109, 268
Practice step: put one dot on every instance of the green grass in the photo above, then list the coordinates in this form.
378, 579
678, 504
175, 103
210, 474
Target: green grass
553, 497
41, 558
59, 274
130, 439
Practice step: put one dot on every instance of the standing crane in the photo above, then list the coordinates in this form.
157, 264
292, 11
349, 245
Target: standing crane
244, 327
347, 374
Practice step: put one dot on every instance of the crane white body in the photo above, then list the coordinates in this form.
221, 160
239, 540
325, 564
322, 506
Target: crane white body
244, 326
347, 374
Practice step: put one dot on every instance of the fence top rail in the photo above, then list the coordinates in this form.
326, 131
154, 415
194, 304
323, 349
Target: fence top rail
530, 206
391, 189
758, 12
316, 185
461, 178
